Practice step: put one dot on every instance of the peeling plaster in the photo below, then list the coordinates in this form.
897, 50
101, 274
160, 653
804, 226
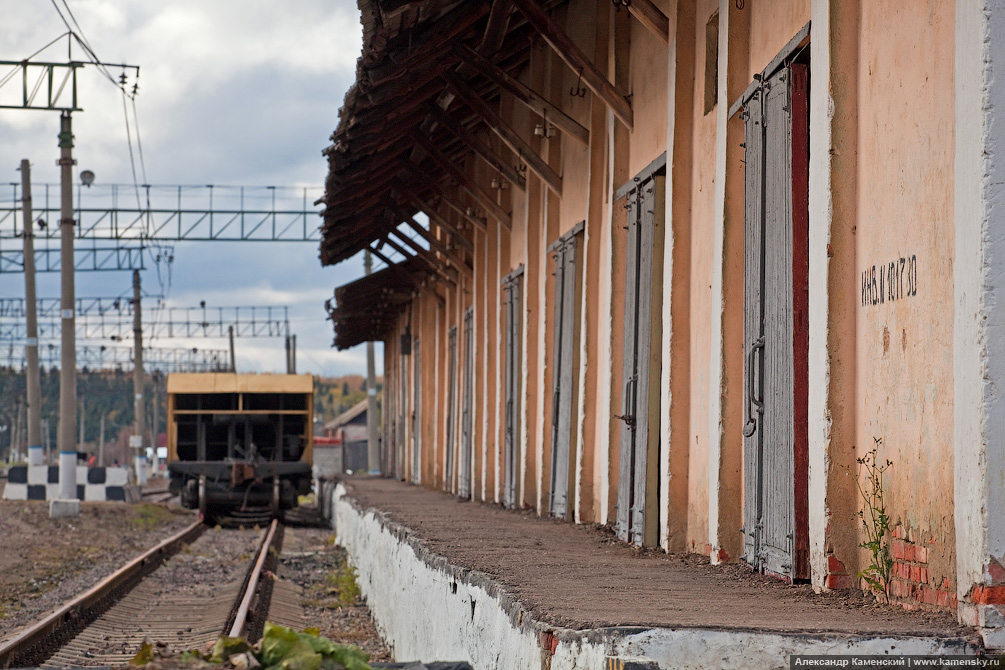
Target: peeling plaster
979, 349
821, 212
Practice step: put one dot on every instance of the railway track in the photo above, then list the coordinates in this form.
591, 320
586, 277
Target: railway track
181, 594
158, 496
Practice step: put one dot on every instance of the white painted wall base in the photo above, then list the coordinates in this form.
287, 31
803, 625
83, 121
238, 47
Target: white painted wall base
430, 610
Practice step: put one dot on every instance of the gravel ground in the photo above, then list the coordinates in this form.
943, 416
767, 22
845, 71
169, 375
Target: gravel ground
217, 557
311, 559
45, 562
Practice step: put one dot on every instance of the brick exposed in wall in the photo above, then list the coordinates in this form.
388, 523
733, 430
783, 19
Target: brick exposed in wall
912, 584
837, 574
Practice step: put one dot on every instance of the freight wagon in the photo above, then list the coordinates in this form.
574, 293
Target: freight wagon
240, 445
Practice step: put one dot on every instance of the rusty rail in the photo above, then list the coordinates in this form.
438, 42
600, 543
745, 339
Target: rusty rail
256, 593
41, 638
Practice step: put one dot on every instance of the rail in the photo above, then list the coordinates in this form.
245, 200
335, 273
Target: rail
55, 634
242, 619
36, 641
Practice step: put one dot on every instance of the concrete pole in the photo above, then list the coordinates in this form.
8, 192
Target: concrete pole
289, 363
372, 447
101, 443
293, 356
68, 353
153, 428
233, 360
35, 455
15, 439
140, 421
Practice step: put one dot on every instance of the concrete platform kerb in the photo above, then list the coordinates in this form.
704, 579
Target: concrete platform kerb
427, 608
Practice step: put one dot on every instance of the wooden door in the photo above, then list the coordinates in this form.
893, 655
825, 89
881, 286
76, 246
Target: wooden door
776, 536
451, 403
416, 412
565, 356
638, 481
512, 370
400, 446
464, 475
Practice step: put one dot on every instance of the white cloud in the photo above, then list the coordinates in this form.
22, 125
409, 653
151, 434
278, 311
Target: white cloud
231, 92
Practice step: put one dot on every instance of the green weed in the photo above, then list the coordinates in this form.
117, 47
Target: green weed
146, 517
342, 586
875, 521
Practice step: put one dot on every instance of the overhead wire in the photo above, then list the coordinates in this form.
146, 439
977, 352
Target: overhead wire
129, 139
78, 34
139, 143
76, 31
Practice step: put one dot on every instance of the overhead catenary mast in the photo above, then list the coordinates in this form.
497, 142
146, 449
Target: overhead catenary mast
34, 416
68, 503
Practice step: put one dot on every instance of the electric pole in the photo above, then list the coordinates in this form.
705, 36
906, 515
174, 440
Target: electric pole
136, 441
233, 360
155, 420
372, 448
289, 363
101, 442
68, 503
35, 455
68, 368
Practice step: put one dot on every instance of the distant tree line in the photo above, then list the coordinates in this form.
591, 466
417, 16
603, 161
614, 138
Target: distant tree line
334, 395
103, 392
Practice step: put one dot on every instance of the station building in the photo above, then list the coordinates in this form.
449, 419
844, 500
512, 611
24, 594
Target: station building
680, 266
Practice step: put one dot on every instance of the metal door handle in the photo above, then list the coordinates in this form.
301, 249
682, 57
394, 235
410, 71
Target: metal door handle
628, 417
751, 425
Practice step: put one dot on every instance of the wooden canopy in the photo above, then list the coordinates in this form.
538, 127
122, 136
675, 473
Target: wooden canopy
427, 88
368, 308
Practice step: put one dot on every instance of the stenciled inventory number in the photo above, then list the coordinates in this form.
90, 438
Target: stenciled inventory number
890, 282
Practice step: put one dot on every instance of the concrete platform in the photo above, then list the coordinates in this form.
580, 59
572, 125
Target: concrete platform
462, 580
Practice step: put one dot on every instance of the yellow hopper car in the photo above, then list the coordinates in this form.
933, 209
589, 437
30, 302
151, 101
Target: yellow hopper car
239, 443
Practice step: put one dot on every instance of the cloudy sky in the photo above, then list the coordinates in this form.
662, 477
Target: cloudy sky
232, 92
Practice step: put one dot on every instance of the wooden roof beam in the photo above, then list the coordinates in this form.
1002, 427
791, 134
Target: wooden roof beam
505, 133
524, 94
430, 39
495, 27
434, 266
447, 199
576, 59
434, 216
466, 182
650, 16
450, 201
434, 243
426, 255
391, 265
422, 178
477, 145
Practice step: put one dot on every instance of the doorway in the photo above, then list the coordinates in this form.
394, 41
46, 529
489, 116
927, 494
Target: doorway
638, 463
776, 297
